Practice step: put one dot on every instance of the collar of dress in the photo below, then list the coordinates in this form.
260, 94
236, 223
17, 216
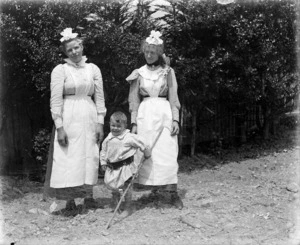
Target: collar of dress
79, 64
120, 137
153, 75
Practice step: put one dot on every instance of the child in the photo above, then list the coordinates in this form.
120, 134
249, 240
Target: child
117, 158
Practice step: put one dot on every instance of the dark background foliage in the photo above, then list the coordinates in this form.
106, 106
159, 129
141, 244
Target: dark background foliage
232, 62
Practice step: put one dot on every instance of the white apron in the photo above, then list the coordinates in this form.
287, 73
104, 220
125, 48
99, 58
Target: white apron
77, 164
162, 167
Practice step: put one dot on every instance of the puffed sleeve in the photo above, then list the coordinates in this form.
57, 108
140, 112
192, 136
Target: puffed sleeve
99, 94
134, 98
137, 141
56, 100
103, 160
173, 95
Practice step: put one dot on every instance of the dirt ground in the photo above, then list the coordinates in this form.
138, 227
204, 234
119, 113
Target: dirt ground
250, 199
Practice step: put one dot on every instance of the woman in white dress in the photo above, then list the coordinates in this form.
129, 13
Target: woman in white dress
154, 104
78, 110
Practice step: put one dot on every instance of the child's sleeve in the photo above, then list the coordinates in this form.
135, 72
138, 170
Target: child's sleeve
139, 142
103, 159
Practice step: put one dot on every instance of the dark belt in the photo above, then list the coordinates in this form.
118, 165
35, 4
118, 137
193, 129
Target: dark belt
74, 94
117, 165
160, 96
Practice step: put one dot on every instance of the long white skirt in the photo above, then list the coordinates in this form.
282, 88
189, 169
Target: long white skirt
161, 169
77, 164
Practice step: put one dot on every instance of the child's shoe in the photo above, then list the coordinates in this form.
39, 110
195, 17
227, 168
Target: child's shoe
90, 203
129, 207
115, 199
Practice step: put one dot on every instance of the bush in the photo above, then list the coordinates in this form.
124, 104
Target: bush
289, 121
40, 149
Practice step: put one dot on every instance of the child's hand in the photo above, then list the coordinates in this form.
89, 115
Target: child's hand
147, 153
104, 167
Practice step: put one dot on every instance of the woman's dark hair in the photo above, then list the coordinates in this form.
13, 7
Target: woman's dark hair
161, 61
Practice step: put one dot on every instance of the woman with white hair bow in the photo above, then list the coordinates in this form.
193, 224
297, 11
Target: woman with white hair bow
78, 110
154, 104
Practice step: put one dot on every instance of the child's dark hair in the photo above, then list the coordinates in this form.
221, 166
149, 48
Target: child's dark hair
119, 117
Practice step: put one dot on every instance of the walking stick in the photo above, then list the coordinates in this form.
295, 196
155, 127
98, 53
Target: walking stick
133, 177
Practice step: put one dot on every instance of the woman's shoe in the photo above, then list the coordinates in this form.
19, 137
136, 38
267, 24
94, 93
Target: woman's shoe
70, 210
154, 195
71, 205
176, 201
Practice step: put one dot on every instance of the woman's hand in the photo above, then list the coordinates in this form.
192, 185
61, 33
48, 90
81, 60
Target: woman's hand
62, 137
99, 133
175, 128
134, 129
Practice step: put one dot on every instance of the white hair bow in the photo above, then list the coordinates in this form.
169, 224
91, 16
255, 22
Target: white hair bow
225, 2
67, 34
154, 38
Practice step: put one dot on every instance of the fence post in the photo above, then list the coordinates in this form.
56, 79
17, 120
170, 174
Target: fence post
194, 131
180, 138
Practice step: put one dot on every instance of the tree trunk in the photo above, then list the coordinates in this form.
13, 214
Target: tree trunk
3, 159
240, 129
257, 117
266, 125
243, 132
194, 131
274, 126
266, 130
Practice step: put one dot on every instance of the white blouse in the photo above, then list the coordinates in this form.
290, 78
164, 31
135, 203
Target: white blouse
118, 148
160, 82
87, 75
